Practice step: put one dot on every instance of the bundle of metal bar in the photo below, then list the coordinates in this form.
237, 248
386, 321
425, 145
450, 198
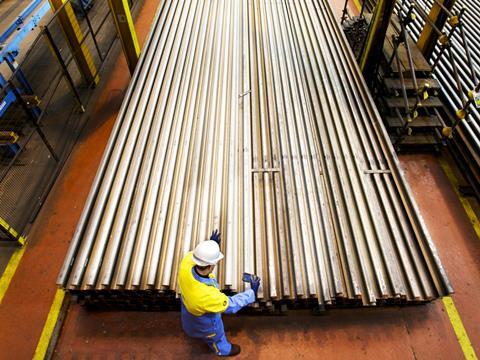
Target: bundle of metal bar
252, 117
459, 79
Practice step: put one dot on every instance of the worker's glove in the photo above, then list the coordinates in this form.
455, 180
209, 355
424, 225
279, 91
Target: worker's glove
215, 237
255, 284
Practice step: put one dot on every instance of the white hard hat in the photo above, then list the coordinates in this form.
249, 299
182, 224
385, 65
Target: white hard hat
207, 253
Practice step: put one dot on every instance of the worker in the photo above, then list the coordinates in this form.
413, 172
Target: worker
202, 302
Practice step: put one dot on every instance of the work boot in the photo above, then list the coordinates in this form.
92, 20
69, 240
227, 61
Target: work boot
235, 350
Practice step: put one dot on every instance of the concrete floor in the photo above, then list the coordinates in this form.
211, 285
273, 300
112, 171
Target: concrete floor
395, 333
420, 332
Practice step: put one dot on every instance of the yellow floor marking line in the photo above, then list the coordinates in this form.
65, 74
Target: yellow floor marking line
465, 203
11, 231
448, 303
10, 271
459, 329
49, 326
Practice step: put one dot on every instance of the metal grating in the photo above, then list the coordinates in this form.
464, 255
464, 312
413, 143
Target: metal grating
28, 168
252, 116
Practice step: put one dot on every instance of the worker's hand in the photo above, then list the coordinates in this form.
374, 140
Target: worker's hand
255, 284
215, 237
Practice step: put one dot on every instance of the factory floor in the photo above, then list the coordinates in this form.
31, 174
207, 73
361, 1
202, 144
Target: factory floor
30, 304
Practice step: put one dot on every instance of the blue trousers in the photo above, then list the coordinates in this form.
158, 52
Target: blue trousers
209, 327
219, 344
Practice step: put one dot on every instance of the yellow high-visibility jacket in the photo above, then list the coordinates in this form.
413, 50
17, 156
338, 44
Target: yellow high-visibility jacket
199, 295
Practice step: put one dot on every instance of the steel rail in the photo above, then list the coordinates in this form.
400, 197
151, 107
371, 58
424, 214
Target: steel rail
252, 116
135, 84
386, 147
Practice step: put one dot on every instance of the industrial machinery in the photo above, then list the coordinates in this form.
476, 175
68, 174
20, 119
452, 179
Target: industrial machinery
252, 117
10, 42
82, 5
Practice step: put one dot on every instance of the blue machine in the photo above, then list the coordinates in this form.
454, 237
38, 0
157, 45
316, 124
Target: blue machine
10, 42
79, 4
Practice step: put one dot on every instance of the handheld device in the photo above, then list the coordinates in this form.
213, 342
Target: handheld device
247, 277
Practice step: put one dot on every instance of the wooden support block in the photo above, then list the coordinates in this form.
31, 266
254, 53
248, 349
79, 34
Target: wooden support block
395, 84
419, 61
419, 140
419, 122
397, 102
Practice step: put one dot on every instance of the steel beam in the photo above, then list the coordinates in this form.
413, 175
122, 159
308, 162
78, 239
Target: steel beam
438, 17
75, 40
374, 42
120, 10
466, 137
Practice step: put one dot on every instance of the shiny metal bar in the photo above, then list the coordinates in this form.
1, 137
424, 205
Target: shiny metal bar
252, 116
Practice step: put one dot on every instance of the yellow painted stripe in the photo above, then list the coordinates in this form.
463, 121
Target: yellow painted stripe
120, 10
13, 232
465, 203
10, 271
49, 326
459, 329
358, 5
131, 26
4, 224
10, 230
448, 303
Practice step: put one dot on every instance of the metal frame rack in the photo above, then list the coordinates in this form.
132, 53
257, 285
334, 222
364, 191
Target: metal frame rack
457, 67
422, 121
445, 30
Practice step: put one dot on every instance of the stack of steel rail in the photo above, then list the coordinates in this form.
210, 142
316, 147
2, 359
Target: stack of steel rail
252, 117
466, 140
